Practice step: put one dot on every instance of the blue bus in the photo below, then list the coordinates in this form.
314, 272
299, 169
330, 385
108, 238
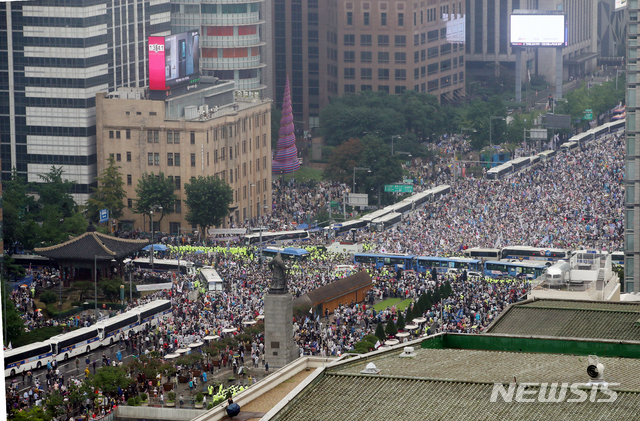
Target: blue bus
499, 268
402, 261
444, 264
536, 253
288, 253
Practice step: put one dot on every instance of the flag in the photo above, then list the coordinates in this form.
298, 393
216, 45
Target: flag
377, 345
311, 310
9, 347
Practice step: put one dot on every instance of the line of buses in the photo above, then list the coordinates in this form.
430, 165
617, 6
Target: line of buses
578, 141
86, 339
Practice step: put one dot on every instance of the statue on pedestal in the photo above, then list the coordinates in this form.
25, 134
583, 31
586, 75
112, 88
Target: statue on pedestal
279, 279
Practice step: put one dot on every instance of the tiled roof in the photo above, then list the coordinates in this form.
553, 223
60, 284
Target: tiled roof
575, 319
334, 289
90, 244
373, 398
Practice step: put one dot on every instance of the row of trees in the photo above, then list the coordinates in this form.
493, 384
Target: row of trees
51, 215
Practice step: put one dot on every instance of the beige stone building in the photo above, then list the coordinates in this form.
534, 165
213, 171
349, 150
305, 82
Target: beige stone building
199, 133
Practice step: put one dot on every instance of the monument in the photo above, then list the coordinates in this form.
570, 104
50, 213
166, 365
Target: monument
280, 348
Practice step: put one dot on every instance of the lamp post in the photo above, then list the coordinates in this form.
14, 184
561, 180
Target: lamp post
491, 133
129, 269
392, 139
462, 130
367, 169
153, 208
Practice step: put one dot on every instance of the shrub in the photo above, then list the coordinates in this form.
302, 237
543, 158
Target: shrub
210, 406
199, 397
138, 400
131, 401
380, 333
144, 397
48, 297
370, 338
171, 396
390, 329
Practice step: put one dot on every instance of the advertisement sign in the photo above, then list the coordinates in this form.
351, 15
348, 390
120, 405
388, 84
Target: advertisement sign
621, 4
246, 94
541, 30
398, 188
156, 64
174, 60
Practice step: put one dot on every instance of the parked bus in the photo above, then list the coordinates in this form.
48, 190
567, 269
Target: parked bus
277, 238
483, 254
547, 156
164, 265
528, 270
617, 258
444, 264
387, 221
209, 276
152, 312
535, 253
500, 171
26, 358
114, 328
402, 261
76, 342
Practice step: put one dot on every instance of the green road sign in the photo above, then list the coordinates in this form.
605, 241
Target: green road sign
398, 188
588, 114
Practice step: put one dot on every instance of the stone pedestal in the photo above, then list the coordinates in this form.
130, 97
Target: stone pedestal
280, 348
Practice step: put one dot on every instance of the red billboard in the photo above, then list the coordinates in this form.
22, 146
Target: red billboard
156, 64
174, 60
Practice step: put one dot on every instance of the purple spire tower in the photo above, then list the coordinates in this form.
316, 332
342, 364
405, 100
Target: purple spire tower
286, 159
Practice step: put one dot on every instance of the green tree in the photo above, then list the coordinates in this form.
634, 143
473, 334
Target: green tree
54, 405
478, 116
390, 329
342, 161
36, 413
84, 288
108, 379
55, 191
153, 190
10, 317
111, 288
11, 269
208, 200
380, 333
109, 194
48, 297
385, 169
400, 322
19, 226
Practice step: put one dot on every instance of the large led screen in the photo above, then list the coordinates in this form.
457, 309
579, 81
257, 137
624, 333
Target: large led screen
173, 60
538, 30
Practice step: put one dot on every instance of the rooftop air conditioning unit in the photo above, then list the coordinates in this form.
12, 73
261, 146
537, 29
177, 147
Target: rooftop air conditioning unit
408, 352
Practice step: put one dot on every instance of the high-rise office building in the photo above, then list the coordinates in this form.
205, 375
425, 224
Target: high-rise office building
232, 39
632, 163
335, 47
57, 54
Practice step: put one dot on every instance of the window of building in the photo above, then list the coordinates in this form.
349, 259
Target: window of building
432, 35
128, 133
264, 162
400, 57
400, 40
423, 71
349, 89
423, 55
176, 159
156, 159
152, 113
365, 56
193, 137
264, 140
129, 180
416, 74
399, 90
174, 227
383, 57
365, 40
445, 49
349, 18
112, 156
383, 19
193, 160
178, 206
110, 134
231, 176
176, 137
366, 87
400, 19
383, 74
366, 19
176, 180
432, 52
445, 65
401, 74
170, 159
153, 136
423, 38
383, 40
169, 136
130, 203
349, 56
349, 72
432, 85
365, 73
432, 68
383, 88
118, 134
128, 156
416, 40
150, 158
244, 146
349, 39
445, 81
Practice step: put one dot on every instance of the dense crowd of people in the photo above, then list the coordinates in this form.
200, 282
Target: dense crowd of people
574, 201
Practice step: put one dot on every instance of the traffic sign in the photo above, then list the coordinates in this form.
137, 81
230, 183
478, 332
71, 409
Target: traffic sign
588, 114
398, 188
104, 215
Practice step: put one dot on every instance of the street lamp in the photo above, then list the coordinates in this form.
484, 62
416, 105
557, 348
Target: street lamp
491, 127
153, 208
95, 277
367, 169
392, 138
129, 269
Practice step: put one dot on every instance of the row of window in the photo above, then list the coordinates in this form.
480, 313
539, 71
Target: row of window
401, 57
401, 74
173, 159
366, 40
431, 16
366, 18
429, 86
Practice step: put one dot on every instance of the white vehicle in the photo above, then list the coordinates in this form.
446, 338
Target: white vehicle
211, 278
345, 247
77, 342
164, 265
28, 357
114, 328
151, 313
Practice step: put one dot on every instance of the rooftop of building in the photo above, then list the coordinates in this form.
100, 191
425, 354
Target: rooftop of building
452, 376
570, 319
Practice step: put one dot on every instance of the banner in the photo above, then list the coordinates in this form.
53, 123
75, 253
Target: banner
153, 287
